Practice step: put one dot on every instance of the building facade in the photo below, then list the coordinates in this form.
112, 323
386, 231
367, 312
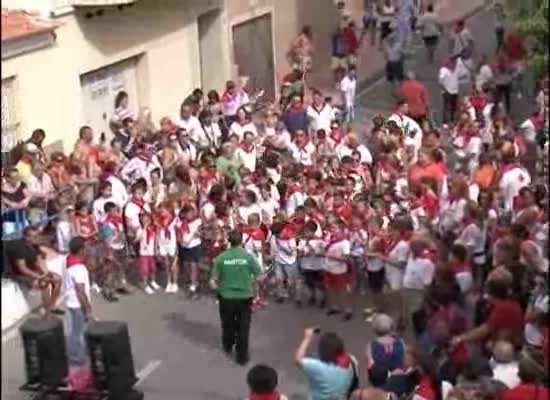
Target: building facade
67, 73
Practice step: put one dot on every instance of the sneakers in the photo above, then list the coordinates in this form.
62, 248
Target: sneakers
175, 288
169, 288
193, 288
154, 285
149, 290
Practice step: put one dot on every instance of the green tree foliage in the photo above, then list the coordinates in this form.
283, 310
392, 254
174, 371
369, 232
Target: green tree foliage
531, 20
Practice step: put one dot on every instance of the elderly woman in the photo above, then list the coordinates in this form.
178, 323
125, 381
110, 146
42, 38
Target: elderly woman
386, 352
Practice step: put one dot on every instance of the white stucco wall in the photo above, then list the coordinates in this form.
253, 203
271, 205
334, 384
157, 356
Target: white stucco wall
48, 80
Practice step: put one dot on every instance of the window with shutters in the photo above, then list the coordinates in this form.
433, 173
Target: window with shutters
10, 122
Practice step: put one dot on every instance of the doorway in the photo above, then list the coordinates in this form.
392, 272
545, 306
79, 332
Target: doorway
210, 50
253, 54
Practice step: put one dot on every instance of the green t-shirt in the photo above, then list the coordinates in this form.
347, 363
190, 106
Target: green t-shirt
229, 167
235, 270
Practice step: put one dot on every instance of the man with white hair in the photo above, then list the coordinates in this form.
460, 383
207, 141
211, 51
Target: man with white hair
351, 145
504, 364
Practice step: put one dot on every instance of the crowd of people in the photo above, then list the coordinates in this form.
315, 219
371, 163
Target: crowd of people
444, 229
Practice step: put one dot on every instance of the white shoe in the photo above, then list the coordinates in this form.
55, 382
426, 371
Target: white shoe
154, 285
192, 288
96, 288
175, 288
168, 288
149, 290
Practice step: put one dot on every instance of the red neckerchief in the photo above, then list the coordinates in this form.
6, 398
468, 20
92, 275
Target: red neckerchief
271, 396
253, 233
115, 220
73, 260
478, 102
344, 211
139, 202
404, 237
429, 202
467, 133
381, 243
294, 188
165, 224
185, 225
246, 148
425, 389
144, 157
336, 237
343, 360
227, 97
288, 232
150, 232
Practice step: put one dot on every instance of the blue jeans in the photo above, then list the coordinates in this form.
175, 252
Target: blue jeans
76, 348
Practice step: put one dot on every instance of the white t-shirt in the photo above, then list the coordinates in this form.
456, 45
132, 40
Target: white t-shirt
167, 239
98, 207
247, 158
294, 201
246, 211
131, 214
339, 249
511, 182
450, 79
534, 334
419, 273
147, 243
192, 238
120, 194
42, 185
348, 86
303, 155
344, 150
137, 168
507, 374
320, 119
284, 251
239, 130
192, 125
76, 274
394, 275
312, 254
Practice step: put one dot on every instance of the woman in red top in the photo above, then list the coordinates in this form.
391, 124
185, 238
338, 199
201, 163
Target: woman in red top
505, 320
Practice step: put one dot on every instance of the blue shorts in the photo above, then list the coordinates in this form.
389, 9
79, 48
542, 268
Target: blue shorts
191, 254
286, 271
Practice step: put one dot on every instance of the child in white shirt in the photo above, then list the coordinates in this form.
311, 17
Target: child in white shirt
167, 242
284, 252
311, 251
147, 239
64, 230
190, 247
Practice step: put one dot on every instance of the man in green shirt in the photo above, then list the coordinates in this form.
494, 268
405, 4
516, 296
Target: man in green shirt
233, 274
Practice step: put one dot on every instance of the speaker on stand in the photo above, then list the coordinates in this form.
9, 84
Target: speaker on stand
46, 365
111, 359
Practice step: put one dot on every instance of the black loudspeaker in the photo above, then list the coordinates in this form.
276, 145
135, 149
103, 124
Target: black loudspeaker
45, 353
111, 358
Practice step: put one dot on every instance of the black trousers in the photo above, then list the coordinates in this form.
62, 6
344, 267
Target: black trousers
450, 104
235, 317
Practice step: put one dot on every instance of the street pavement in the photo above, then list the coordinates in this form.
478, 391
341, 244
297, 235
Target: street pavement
176, 344
175, 340
377, 98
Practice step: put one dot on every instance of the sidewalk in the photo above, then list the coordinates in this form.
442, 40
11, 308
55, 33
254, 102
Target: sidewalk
370, 63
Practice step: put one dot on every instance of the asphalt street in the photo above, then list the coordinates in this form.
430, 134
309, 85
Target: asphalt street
377, 98
175, 340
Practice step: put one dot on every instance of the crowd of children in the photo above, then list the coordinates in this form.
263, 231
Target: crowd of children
327, 213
